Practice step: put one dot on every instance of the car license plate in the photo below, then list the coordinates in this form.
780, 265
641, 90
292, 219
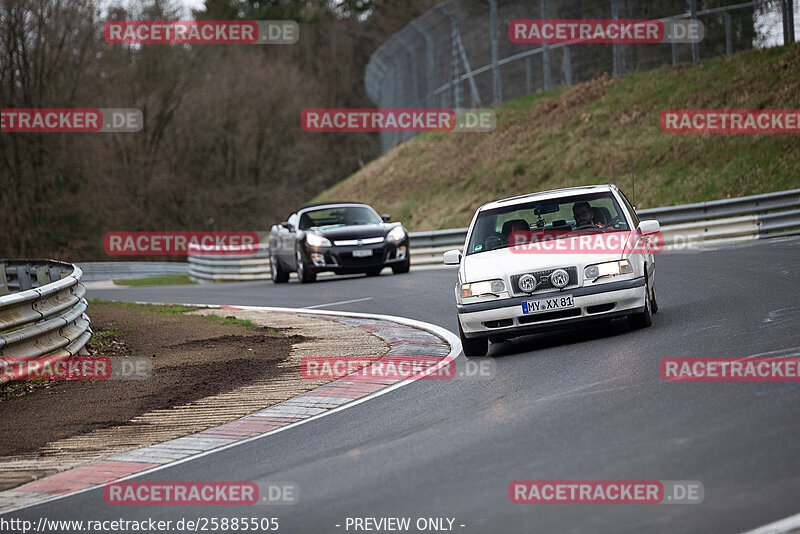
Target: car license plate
364, 253
554, 303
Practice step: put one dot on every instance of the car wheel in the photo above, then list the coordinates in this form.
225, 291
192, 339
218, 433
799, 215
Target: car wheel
305, 274
279, 275
473, 347
644, 319
401, 268
653, 301
374, 272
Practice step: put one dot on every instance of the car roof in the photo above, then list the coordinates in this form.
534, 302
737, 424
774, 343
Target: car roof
548, 195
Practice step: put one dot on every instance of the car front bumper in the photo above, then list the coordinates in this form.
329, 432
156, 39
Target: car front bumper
504, 317
340, 259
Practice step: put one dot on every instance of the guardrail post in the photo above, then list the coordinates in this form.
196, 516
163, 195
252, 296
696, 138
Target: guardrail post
24, 278
3, 280
42, 276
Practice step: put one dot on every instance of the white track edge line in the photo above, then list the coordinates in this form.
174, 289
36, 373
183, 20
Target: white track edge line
446, 335
782, 526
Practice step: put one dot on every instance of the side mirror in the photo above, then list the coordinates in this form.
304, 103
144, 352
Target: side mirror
649, 227
452, 257
287, 226
386, 218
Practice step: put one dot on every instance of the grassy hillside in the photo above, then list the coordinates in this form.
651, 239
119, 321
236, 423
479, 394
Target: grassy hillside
592, 133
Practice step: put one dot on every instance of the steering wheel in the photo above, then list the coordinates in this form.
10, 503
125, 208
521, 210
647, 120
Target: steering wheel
492, 242
588, 227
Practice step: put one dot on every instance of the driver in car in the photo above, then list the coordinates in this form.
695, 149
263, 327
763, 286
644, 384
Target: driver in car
584, 216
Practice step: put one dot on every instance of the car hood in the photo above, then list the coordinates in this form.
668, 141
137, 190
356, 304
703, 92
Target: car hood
360, 231
505, 262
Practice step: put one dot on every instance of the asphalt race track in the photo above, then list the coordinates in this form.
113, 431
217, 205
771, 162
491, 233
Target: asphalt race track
574, 405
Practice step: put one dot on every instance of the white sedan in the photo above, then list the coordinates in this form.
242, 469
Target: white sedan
553, 259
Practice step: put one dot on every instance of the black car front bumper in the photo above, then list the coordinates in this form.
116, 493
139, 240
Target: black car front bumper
342, 260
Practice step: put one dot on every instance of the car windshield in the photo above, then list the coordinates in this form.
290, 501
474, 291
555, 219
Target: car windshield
598, 212
339, 216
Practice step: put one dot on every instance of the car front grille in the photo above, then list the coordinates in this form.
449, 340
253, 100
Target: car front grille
543, 280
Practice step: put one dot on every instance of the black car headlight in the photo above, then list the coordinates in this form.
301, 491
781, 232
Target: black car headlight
398, 233
316, 240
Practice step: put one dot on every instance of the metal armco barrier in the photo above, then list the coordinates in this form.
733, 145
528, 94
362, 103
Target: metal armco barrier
122, 270
711, 223
42, 311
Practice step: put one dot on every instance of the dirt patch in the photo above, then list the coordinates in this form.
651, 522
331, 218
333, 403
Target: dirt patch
193, 357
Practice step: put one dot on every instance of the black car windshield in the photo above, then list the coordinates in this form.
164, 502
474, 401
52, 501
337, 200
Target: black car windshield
338, 216
598, 212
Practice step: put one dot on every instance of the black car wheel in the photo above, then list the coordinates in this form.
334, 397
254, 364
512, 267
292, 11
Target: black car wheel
279, 275
644, 319
401, 268
305, 274
473, 347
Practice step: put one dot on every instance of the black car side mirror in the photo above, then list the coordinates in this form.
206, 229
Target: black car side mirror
386, 218
287, 226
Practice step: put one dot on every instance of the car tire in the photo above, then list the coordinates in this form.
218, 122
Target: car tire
473, 347
402, 268
653, 301
305, 274
374, 272
644, 319
279, 275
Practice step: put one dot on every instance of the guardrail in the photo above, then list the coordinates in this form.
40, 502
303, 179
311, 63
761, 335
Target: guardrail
123, 270
42, 311
715, 222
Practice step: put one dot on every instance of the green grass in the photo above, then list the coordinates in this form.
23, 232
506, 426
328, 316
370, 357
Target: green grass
594, 133
101, 337
163, 280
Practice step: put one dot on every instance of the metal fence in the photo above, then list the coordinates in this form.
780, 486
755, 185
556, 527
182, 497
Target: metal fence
458, 55
683, 227
42, 311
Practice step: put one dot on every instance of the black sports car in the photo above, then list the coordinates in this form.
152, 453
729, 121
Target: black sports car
343, 237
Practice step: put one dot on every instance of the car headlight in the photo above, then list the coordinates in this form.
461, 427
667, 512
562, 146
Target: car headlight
609, 268
397, 234
316, 240
487, 287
